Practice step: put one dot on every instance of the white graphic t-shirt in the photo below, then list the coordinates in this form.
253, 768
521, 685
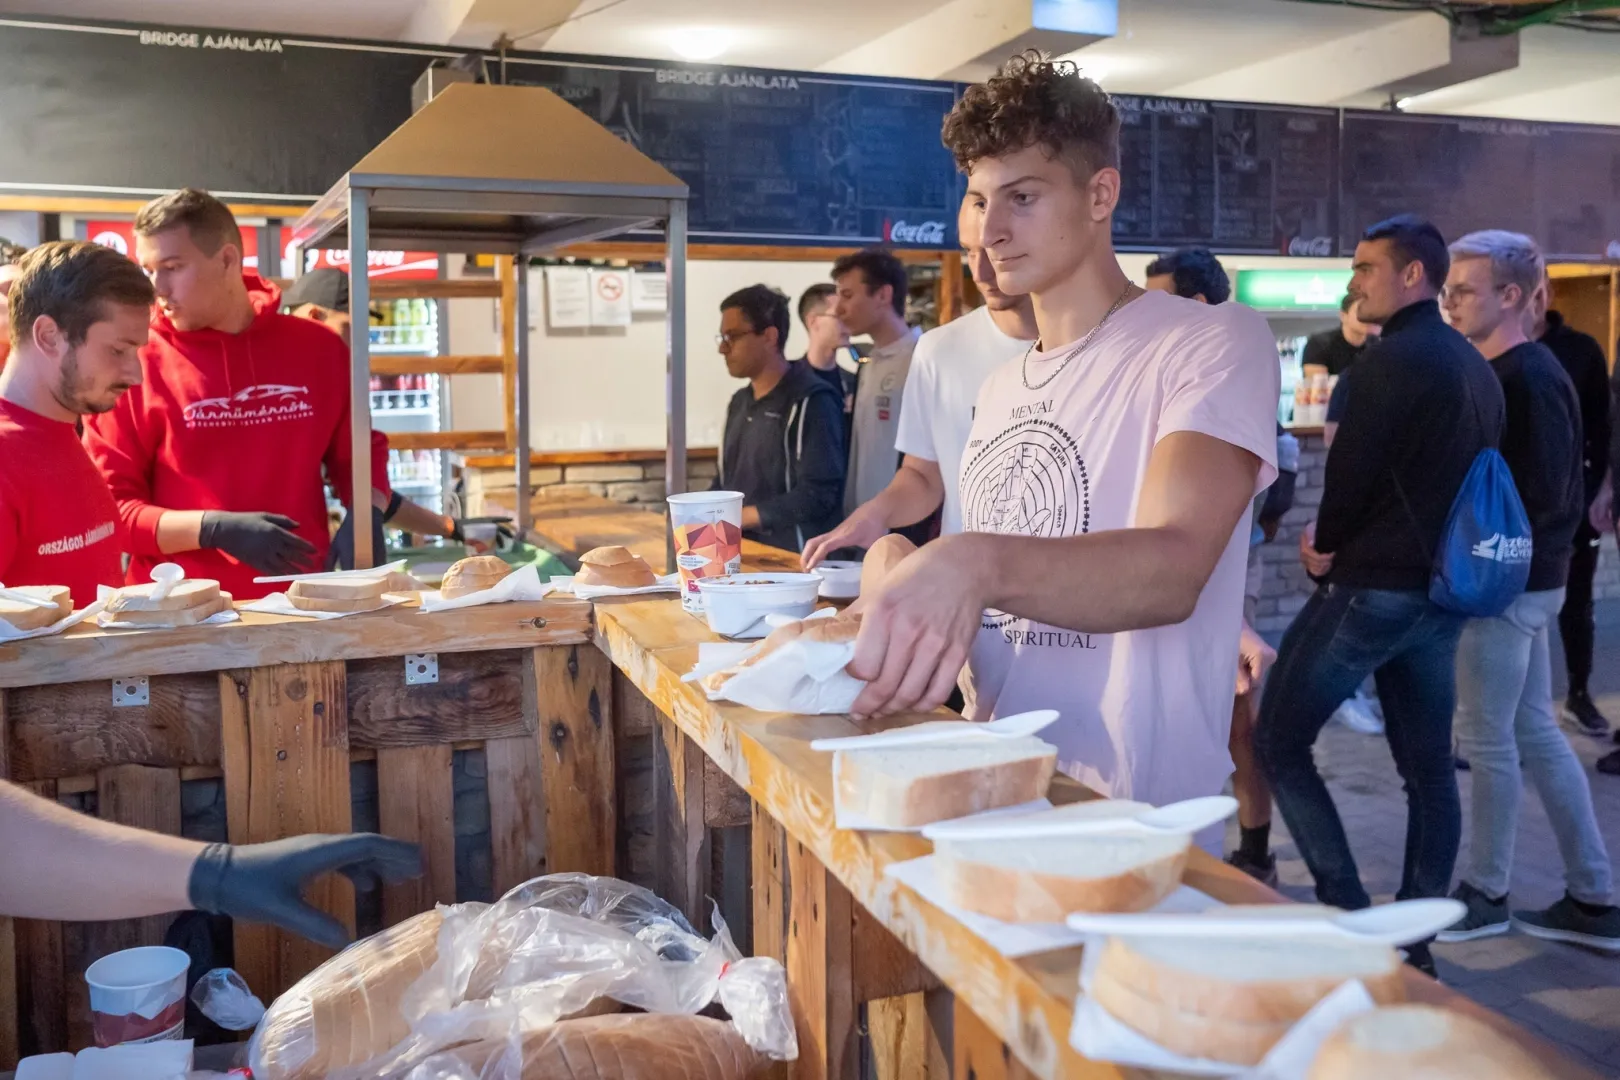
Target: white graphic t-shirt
950, 365
1144, 714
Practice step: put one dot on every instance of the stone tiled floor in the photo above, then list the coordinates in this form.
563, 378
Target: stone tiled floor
1569, 995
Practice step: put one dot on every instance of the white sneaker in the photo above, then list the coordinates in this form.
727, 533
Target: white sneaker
1355, 715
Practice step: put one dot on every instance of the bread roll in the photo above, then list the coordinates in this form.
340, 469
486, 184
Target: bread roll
635, 1046
1421, 1042
190, 593
346, 1011
473, 574
910, 786
614, 566
26, 617
1044, 878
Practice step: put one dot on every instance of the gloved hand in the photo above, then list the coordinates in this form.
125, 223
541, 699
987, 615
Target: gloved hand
265, 882
341, 555
265, 542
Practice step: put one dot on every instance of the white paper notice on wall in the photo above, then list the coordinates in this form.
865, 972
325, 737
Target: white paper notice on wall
649, 291
610, 297
568, 297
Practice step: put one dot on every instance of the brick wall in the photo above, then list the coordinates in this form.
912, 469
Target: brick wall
626, 482
1284, 586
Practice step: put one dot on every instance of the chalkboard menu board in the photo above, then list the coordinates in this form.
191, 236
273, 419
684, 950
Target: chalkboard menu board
1232, 177
104, 109
1559, 183
777, 157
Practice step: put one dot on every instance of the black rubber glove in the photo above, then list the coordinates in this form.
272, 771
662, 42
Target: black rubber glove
265, 882
341, 555
455, 531
265, 542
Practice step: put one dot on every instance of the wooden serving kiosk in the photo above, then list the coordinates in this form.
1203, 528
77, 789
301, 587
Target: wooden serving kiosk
597, 757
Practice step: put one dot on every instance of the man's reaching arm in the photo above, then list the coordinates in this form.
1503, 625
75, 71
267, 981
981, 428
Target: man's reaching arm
917, 632
916, 491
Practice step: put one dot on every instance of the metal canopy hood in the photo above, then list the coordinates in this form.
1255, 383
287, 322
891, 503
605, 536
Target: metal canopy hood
499, 169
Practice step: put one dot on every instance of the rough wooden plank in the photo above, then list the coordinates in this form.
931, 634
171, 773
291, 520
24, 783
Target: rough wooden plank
725, 805
144, 798
906, 1042
41, 990
769, 869
292, 778
820, 920
73, 729
517, 817
478, 696
572, 698
447, 289
883, 967
681, 842
435, 365
87, 653
446, 440
10, 1005
634, 722
416, 802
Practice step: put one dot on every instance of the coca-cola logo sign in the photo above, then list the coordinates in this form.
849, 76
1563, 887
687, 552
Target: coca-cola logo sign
1311, 245
922, 232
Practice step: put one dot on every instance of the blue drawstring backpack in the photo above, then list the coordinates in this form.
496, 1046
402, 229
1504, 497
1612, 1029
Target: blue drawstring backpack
1483, 561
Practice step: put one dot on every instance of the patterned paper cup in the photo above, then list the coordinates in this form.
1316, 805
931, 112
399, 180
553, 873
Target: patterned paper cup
708, 539
138, 995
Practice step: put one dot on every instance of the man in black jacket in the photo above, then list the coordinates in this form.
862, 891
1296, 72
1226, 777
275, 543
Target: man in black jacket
1423, 405
1583, 360
784, 440
1505, 716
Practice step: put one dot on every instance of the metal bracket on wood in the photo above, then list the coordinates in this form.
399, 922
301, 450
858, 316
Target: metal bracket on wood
421, 668
132, 691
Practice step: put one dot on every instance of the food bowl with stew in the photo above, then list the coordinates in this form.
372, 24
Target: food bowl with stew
736, 605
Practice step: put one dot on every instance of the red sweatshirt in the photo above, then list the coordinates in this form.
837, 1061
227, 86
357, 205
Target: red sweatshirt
58, 523
230, 422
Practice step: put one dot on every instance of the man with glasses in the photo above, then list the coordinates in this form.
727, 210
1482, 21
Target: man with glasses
784, 438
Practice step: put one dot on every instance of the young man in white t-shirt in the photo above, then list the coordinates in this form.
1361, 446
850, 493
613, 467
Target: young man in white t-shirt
1107, 482
949, 366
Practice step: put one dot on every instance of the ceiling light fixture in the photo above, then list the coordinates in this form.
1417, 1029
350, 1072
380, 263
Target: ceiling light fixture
700, 42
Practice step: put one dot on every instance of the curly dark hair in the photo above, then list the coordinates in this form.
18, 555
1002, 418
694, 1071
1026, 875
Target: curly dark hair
1033, 101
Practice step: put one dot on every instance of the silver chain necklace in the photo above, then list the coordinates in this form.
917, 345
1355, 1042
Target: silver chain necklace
1023, 366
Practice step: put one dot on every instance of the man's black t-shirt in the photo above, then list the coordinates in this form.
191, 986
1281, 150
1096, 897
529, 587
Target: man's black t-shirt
1331, 350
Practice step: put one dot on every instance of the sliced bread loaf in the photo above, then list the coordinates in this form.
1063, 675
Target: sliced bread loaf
1421, 1042
24, 617
910, 786
1043, 878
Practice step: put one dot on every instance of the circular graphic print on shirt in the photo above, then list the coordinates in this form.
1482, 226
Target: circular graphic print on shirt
1029, 480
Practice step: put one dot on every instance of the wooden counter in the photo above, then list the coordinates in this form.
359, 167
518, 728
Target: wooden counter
848, 934
277, 709
569, 527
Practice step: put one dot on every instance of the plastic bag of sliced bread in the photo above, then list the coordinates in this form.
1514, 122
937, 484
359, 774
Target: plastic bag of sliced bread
642, 1046
475, 973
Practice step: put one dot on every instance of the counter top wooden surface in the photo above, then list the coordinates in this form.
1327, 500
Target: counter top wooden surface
571, 526
87, 652
1027, 1003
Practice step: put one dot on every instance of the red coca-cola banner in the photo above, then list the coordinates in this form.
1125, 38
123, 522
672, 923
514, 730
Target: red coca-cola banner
120, 236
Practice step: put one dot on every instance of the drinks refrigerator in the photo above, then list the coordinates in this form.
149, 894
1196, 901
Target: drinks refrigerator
412, 402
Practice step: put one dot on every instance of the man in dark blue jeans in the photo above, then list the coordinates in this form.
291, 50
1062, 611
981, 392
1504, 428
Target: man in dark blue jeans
1422, 406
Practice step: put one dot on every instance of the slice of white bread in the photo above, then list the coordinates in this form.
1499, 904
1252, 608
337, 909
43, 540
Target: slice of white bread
836, 630
616, 567
190, 616
1421, 1042
1259, 980
1235, 1042
190, 593
910, 786
473, 574
25, 617
1043, 878
370, 588
307, 603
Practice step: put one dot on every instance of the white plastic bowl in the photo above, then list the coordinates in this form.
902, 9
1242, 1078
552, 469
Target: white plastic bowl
736, 605
839, 580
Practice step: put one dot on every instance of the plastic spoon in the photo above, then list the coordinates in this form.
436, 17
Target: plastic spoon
1400, 923
939, 731
25, 598
1183, 818
165, 576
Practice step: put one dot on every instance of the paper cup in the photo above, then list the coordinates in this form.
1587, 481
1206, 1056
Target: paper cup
708, 539
138, 995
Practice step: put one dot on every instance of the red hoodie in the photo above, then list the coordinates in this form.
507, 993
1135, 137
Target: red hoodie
230, 422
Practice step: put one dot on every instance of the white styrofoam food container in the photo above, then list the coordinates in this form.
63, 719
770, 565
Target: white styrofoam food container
736, 605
